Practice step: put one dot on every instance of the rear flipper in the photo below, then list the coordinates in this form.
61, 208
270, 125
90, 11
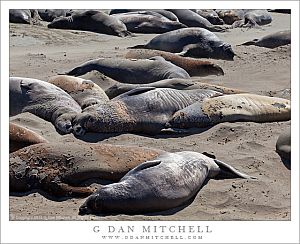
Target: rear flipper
249, 43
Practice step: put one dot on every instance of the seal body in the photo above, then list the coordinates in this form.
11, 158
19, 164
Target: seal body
60, 168
211, 16
132, 71
92, 20
43, 99
84, 92
169, 181
50, 14
191, 42
141, 22
283, 145
20, 136
273, 40
232, 108
194, 67
142, 110
21, 16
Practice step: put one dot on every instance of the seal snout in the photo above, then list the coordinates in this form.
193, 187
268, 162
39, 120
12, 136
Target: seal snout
83, 210
78, 130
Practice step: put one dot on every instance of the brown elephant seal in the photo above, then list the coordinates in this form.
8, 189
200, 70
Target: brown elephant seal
142, 22
273, 40
161, 12
192, 19
132, 71
43, 99
20, 136
211, 16
283, 146
84, 92
60, 168
142, 110
232, 108
229, 16
92, 20
191, 42
194, 67
168, 181
180, 84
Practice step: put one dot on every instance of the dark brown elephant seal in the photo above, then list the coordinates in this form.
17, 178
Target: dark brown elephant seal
24, 16
283, 147
192, 19
132, 71
191, 42
194, 67
168, 181
232, 108
142, 110
273, 40
92, 20
142, 22
60, 168
84, 92
180, 84
43, 99
20, 136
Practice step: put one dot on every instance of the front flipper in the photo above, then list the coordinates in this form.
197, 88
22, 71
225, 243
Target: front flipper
145, 165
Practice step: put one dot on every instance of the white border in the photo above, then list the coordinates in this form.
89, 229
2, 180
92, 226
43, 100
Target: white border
82, 232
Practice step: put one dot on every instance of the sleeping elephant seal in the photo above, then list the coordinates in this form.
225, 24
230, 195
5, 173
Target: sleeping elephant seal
24, 16
273, 40
60, 168
232, 108
43, 99
175, 83
192, 19
191, 42
211, 16
194, 67
20, 136
92, 20
142, 110
132, 71
141, 22
283, 147
84, 92
50, 14
253, 18
168, 181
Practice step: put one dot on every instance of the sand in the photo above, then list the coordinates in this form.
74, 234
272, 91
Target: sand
39, 52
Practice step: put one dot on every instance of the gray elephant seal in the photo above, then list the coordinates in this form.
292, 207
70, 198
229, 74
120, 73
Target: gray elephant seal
283, 145
192, 19
132, 71
232, 108
50, 14
168, 181
43, 99
191, 42
142, 22
273, 40
211, 16
20, 136
24, 16
84, 92
180, 84
193, 66
142, 110
60, 168
253, 18
92, 20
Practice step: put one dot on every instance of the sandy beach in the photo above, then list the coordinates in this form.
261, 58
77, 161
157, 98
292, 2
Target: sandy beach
39, 52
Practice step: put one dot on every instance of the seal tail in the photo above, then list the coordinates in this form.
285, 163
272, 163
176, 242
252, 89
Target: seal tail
137, 47
228, 171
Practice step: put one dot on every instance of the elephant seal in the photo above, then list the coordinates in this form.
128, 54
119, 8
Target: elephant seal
192, 19
211, 16
60, 168
193, 66
132, 71
253, 18
84, 92
24, 16
141, 22
175, 83
50, 14
142, 110
43, 99
191, 42
161, 12
92, 20
20, 136
229, 16
232, 108
168, 181
273, 40
283, 146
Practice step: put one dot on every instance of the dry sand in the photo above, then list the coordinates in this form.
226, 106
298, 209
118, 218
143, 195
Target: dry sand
39, 52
